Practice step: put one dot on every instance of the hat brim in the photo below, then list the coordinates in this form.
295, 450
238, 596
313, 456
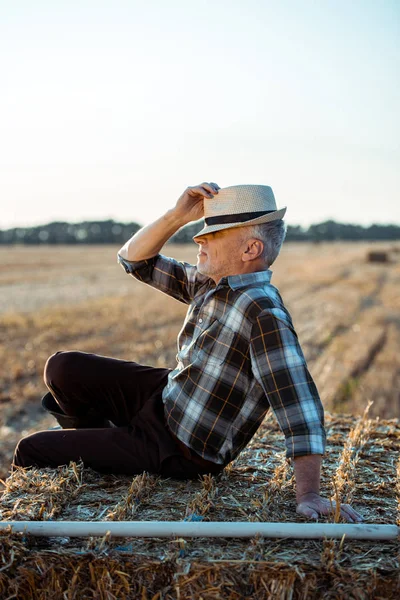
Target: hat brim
278, 214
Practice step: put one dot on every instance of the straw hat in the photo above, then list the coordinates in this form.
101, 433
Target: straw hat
238, 206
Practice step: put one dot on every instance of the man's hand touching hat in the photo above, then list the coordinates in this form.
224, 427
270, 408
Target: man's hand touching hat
190, 205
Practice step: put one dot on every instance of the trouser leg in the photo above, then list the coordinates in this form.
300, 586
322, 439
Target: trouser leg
115, 389
118, 450
126, 393
89, 389
113, 450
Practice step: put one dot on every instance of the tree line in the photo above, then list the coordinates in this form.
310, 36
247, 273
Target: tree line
112, 232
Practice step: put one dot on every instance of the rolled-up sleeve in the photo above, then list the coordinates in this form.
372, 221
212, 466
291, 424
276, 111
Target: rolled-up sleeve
280, 368
177, 279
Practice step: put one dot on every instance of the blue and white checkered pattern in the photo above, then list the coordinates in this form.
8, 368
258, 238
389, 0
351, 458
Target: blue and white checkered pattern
238, 355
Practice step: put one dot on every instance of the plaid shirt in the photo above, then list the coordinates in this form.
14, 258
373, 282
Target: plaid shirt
238, 355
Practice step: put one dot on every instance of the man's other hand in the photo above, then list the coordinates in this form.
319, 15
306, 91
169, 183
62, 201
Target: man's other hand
191, 204
312, 505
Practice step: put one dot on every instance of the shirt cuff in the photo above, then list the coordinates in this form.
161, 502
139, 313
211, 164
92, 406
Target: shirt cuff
133, 267
302, 445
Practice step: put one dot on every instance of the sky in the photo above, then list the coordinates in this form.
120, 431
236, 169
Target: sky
110, 109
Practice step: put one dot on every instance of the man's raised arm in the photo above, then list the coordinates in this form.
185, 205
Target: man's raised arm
149, 240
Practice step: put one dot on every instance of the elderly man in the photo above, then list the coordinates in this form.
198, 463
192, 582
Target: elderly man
238, 356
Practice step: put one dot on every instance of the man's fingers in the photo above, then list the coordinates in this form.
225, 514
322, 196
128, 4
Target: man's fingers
211, 187
200, 190
307, 511
350, 514
325, 507
205, 190
347, 512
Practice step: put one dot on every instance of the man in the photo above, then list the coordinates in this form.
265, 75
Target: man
238, 356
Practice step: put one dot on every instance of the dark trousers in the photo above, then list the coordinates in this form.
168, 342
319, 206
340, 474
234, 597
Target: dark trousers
127, 394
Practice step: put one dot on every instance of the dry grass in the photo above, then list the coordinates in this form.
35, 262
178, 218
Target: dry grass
258, 485
347, 314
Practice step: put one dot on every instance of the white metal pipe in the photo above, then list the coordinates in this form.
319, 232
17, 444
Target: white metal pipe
203, 529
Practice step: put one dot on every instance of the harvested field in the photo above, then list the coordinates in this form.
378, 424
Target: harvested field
363, 462
346, 311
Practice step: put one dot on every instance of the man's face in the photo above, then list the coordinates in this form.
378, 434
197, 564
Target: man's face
220, 253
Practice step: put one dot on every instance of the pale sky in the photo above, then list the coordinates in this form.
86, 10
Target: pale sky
109, 109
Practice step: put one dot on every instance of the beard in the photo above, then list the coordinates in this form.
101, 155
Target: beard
209, 269
204, 268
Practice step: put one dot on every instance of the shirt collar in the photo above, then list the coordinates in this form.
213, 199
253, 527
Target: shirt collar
247, 279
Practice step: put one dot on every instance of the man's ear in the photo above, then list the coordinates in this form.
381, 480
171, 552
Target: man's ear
253, 249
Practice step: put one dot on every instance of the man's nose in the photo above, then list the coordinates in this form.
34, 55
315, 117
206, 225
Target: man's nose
199, 239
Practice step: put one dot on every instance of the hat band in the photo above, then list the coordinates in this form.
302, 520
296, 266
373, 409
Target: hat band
237, 218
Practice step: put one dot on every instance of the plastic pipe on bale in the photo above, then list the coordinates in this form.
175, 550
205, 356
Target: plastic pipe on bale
203, 529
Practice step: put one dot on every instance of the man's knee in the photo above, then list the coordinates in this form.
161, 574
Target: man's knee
26, 452
59, 367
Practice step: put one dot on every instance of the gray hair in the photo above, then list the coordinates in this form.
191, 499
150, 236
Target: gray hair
271, 235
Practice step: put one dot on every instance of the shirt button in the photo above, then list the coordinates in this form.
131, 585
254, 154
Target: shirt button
200, 320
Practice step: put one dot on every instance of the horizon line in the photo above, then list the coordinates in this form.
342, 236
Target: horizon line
392, 224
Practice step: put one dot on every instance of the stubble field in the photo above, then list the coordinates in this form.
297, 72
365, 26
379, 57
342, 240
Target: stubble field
346, 311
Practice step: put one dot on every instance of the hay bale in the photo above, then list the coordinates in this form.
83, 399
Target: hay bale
362, 462
378, 256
